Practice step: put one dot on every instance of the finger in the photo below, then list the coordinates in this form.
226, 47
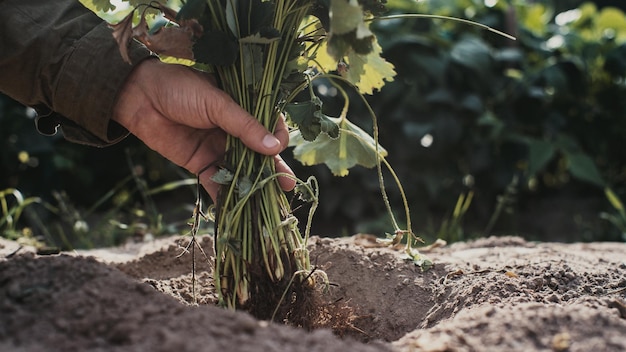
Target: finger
208, 184
226, 114
222, 111
281, 132
286, 183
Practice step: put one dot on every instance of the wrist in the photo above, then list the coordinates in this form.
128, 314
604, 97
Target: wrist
133, 93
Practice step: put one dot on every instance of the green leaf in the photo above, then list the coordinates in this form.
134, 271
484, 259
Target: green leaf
375, 7
254, 16
252, 57
310, 120
98, 5
614, 200
539, 154
611, 18
353, 147
567, 144
303, 193
258, 39
347, 16
205, 49
222, 177
340, 45
369, 72
583, 168
348, 31
244, 185
474, 54
536, 17
191, 9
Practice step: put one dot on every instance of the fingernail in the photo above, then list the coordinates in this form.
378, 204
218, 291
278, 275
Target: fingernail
270, 142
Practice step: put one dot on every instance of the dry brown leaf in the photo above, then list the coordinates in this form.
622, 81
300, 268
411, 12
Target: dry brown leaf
171, 41
123, 34
168, 13
188, 24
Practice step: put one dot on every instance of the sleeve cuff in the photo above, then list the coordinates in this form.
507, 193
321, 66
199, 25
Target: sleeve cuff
91, 79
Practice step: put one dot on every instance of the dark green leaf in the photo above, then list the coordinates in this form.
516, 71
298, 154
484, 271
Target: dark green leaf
375, 7
539, 154
320, 10
217, 48
583, 168
567, 144
254, 16
222, 177
310, 120
615, 62
244, 185
474, 54
191, 9
303, 193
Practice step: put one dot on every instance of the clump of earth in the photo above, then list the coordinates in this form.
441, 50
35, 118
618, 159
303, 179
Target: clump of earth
493, 294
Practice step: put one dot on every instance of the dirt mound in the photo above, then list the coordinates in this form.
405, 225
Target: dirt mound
501, 293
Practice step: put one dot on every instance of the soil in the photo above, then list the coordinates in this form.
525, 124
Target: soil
493, 294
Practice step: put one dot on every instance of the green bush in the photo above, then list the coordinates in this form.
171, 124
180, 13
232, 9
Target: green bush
513, 121
470, 112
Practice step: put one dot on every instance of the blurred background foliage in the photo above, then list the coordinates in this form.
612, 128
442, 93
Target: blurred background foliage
488, 136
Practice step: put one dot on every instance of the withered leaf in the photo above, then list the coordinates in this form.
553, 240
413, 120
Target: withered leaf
175, 41
190, 24
170, 41
123, 33
168, 13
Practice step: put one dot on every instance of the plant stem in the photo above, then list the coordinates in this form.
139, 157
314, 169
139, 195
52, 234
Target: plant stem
258, 247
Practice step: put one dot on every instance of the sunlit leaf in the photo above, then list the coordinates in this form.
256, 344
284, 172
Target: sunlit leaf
613, 199
348, 31
536, 18
353, 147
98, 5
323, 60
369, 72
611, 18
347, 16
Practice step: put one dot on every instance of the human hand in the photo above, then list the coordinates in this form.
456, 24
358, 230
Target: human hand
181, 114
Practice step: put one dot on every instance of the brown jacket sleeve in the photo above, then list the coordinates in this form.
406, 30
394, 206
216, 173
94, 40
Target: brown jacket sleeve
60, 58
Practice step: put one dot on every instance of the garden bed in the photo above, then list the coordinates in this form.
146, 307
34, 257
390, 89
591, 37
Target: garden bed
499, 293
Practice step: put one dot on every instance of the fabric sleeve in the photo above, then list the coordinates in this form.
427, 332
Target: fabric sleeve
61, 59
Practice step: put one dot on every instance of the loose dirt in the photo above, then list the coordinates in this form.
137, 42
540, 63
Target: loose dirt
494, 294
